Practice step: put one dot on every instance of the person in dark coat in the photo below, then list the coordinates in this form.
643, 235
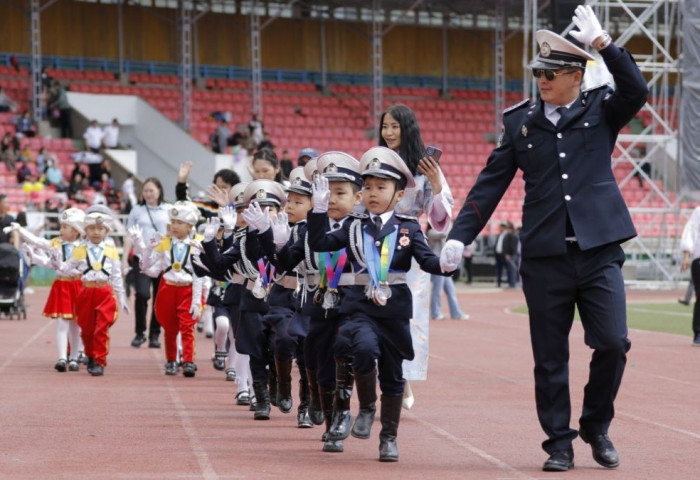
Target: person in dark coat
574, 220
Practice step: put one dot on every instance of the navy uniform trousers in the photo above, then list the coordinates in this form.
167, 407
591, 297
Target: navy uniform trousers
592, 280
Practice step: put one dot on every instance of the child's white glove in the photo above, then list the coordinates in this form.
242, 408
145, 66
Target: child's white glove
256, 218
281, 230
123, 303
13, 227
321, 195
451, 255
195, 309
211, 228
227, 215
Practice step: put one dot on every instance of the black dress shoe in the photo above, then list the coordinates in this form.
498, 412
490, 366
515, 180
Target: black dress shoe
97, 370
603, 450
138, 341
696, 340
559, 461
153, 342
683, 302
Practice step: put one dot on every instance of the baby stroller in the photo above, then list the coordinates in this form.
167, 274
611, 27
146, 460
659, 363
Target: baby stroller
11, 297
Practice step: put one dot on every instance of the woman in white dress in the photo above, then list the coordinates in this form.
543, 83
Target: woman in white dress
399, 131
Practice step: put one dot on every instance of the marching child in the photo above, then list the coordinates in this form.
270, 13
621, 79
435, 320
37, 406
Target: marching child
179, 301
101, 274
65, 289
377, 309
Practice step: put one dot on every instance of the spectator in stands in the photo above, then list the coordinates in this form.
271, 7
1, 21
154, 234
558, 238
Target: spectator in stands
266, 166
41, 159
286, 164
219, 139
690, 245
24, 173
645, 167
239, 136
5, 221
25, 155
6, 103
151, 214
93, 137
105, 169
129, 192
399, 131
25, 125
436, 240
53, 176
505, 248
77, 186
60, 108
256, 128
9, 150
467, 262
266, 142
110, 135
305, 155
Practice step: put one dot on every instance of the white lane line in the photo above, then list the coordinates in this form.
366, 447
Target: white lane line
21, 349
661, 425
671, 379
660, 312
512, 471
208, 472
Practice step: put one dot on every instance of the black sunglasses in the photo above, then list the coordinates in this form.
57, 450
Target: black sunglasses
549, 74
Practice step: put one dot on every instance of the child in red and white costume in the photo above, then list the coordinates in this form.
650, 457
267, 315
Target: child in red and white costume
96, 309
65, 289
179, 301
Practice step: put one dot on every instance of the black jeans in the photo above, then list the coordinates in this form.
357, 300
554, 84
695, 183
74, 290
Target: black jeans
695, 275
143, 286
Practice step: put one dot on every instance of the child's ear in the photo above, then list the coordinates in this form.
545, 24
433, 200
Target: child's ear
358, 197
399, 195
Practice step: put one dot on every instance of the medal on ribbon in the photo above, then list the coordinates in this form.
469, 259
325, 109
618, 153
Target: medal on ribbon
378, 263
96, 255
334, 270
179, 252
177, 266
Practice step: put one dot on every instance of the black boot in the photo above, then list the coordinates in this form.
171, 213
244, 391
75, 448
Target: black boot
284, 385
272, 382
90, 364
367, 395
329, 445
303, 419
262, 401
390, 415
315, 411
340, 427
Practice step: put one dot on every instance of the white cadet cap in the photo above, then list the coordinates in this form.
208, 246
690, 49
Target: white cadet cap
340, 167
235, 195
73, 217
298, 183
311, 169
383, 162
185, 212
264, 192
557, 52
98, 218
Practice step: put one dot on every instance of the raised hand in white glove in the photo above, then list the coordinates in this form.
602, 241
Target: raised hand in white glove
588, 25
281, 229
451, 255
256, 218
227, 215
322, 194
123, 304
13, 227
136, 235
155, 239
197, 260
211, 228
195, 310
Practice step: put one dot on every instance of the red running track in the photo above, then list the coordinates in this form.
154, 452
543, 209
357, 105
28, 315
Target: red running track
473, 419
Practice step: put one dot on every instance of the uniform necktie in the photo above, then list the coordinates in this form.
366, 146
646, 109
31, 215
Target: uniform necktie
336, 226
561, 111
378, 223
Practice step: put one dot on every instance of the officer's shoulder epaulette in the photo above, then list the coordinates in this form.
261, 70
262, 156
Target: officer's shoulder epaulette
408, 218
359, 215
600, 86
80, 252
56, 242
198, 237
111, 252
517, 106
164, 245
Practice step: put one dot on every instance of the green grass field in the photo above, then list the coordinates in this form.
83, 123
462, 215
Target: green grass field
669, 317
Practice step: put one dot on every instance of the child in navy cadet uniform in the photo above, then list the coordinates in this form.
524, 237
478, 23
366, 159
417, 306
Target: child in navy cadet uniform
377, 309
96, 307
179, 301
253, 336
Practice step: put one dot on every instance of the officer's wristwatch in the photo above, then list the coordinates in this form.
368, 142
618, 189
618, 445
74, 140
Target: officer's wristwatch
602, 41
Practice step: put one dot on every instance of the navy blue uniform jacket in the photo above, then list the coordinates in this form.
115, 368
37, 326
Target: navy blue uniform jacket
566, 168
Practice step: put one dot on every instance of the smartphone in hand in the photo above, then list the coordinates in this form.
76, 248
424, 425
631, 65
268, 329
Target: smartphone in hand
434, 153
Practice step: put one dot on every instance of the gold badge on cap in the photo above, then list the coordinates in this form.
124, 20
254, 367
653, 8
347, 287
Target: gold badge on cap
331, 168
297, 181
261, 194
545, 49
315, 176
374, 164
99, 221
64, 216
524, 131
175, 212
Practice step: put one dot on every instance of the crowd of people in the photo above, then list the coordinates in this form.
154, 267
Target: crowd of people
331, 268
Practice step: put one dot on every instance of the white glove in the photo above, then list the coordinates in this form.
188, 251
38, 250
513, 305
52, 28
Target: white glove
196, 260
211, 228
123, 303
451, 255
136, 235
228, 217
14, 226
322, 195
281, 230
256, 218
195, 310
155, 240
588, 25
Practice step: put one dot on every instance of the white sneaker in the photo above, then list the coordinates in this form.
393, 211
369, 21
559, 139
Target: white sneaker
29, 291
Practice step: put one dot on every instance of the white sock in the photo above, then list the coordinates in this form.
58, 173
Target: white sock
76, 343
62, 327
207, 317
221, 333
242, 365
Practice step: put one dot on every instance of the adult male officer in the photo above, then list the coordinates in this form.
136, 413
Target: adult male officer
574, 219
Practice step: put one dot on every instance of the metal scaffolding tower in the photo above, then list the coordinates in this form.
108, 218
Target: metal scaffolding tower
499, 79
377, 34
255, 58
186, 62
657, 210
35, 26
